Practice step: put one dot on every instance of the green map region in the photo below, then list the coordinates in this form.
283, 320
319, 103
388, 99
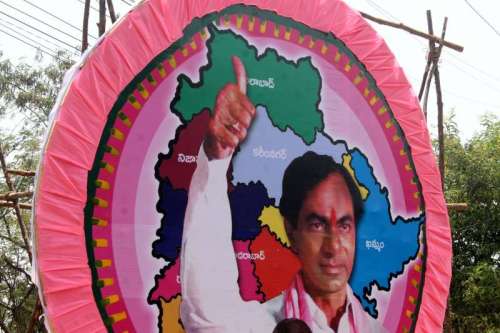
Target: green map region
289, 90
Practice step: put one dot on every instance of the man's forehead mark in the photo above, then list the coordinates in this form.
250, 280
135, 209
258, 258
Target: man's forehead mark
333, 217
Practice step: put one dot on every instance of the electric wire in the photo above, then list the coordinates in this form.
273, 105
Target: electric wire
40, 21
25, 37
92, 7
473, 76
29, 44
56, 17
472, 100
463, 62
388, 15
127, 3
483, 18
57, 46
40, 31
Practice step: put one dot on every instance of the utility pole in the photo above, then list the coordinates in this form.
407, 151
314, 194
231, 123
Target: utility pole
111, 8
85, 35
102, 17
101, 25
432, 69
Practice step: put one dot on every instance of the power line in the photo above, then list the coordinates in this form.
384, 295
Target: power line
29, 44
31, 33
483, 18
127, 3
492, 77
381, 10
38, 20
91, 7
40, 31
25, 37
471, 75
387, 14
55, 16
476, 101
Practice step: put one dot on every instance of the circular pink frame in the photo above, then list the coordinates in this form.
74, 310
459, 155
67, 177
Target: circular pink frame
93, 86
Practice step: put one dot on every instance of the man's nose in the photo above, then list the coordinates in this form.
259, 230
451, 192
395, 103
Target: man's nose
331, 244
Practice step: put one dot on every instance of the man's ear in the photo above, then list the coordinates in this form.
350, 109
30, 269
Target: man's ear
290, 232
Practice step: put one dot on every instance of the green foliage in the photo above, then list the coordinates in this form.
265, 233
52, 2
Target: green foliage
27, 94
473, 177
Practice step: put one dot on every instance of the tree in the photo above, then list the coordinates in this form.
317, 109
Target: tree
473, 176
27, 94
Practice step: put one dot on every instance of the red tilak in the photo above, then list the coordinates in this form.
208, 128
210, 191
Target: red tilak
333, 217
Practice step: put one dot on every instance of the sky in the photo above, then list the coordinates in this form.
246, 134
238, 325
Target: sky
470, 80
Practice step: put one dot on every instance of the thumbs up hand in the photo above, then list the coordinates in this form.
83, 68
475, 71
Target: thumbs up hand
232, 116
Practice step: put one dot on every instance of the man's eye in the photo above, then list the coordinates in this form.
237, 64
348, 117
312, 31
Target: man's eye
345, 226
316, 226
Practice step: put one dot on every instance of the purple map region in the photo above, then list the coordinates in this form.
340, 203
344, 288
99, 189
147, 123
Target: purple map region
247, 202
267, 152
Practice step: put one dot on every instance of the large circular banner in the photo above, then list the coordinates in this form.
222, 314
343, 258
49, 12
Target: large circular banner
223, 166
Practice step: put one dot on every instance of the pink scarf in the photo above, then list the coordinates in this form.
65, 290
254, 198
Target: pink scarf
296, 302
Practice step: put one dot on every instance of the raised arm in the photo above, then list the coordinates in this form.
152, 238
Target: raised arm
211, 300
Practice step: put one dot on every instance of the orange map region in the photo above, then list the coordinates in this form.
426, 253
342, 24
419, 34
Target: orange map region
279, 266
170, 316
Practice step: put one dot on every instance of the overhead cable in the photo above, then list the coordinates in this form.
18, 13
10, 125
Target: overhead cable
91, 7
127, 3
10, 24
40, 21
40, 31
13, 31
55, 16
483, 18
29, 44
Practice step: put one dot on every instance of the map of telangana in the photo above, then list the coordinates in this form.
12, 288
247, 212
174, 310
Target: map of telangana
287, 91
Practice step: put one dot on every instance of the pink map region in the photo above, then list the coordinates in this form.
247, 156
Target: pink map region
167, 283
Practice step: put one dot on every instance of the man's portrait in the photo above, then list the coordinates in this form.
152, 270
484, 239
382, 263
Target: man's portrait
320, 205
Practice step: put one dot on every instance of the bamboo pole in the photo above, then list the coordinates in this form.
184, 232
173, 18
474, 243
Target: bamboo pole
21, 173
17, 209
12, 195
10, 204
401, 26
102, 17
85, 30
111, 9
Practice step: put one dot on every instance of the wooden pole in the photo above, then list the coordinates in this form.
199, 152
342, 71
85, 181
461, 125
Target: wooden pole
10, 204
458, 207
432, 57
111, 9
12, 195
102, 17
401, 26
426, 74
439, 96
37, 311
85, 30
429, 58
17, 209
21, 173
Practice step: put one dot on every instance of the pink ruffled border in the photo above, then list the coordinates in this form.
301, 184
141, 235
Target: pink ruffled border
61, 268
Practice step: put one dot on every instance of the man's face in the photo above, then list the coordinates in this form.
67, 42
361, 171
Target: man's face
325, 237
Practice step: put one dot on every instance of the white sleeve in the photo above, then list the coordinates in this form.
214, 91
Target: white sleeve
211, 300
